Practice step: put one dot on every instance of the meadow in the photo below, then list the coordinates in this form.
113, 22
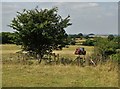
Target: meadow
40, 75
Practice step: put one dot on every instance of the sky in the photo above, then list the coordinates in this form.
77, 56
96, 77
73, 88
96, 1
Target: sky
60, 0
86, 17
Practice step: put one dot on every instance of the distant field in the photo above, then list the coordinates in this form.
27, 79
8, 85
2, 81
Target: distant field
10, 48
38, 75
69, 52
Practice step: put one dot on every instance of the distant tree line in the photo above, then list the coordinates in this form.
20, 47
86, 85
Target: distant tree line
79, 35
7, 37
106, 47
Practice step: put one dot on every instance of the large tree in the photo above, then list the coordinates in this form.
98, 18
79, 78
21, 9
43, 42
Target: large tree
41, 30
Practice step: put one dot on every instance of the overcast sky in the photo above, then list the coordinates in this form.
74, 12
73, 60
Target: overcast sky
86, 17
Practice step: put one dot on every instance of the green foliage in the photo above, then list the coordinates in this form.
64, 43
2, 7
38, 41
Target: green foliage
40, 31
86, 37
7, 37
117, 40
105, 47
80, 35
110, 37
89, 42
116, 57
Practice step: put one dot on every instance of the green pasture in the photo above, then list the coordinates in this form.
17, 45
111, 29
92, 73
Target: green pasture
40, 75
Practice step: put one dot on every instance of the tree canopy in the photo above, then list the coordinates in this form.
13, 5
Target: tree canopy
110, 37
41, 30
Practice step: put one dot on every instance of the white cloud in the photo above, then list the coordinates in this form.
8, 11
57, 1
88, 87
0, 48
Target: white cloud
93, 4
84, 5
86, 17
59, 3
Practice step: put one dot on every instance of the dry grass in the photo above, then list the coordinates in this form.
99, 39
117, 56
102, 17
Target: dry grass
58, 76
38, 75
9, 48
69, 52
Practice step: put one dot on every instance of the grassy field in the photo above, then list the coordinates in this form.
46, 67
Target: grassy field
38, 75
69, 52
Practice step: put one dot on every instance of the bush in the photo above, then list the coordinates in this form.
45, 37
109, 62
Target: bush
89, 42
117, 40
110, 37
115, 57
105, 47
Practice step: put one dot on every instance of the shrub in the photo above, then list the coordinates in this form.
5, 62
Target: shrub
89, 42
116, 57
110, 37
105, 47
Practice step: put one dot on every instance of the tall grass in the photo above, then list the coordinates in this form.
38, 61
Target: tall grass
58, 76
31, 74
